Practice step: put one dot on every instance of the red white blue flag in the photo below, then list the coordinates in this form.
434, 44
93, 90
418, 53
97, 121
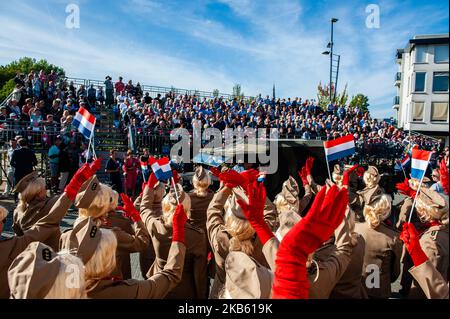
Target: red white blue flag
339, 148
419, 163
161, 168
84, 122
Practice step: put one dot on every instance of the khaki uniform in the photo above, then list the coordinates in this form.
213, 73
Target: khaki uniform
219, 237
405, 210
194, 282
303, 203
350, 285
127, 243
156, 287
24, 220
199, 206
384, 250
332, 269
430, 280
40, 231
434, 242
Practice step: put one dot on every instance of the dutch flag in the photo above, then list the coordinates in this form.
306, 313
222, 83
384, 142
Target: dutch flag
419, 163
161, 168
144, 166
339, 148
84, 122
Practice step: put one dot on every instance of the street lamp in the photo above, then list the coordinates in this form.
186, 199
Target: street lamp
330, 46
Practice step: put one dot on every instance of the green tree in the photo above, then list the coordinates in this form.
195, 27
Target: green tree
361, 101
23, 65
215, 93
323, 96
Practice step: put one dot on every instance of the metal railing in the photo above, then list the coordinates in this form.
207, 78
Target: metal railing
156, 89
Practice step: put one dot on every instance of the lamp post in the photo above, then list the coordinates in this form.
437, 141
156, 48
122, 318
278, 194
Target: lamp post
330, 46
338, 61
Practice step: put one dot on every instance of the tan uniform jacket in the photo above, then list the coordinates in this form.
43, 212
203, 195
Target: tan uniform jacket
331, 269
430, 280
405, 210
194, 282
434, 242
199, 206
24, 220
156, 287
219, 237
40, 231
350, 285
383, 253
126, 243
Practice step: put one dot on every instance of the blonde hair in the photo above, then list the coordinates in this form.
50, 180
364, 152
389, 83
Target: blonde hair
32, 190
283, 206
168, 208
103, 261
378, 211
201, 186
105, 201
428, 213
370, 180
414, 183
3, 213
240, 230
70, 281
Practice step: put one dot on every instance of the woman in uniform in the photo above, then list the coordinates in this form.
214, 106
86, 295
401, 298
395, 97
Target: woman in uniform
200, 196
383, 247
40, 273
97, 200
194, 282
33, 205
432, 210
231, 231
44, 228
97, 246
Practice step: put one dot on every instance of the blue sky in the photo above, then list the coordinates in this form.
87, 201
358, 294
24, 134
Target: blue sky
208, 44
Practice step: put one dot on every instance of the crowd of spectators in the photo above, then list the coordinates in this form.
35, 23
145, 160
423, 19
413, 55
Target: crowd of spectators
46, 103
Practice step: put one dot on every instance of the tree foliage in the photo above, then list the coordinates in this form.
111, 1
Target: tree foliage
237, 92
23, 65
360, 100
323, 96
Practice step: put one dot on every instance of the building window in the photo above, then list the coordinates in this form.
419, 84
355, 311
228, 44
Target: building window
441, 53
440, 82
421, 54
419, 85
417, 111
439, 112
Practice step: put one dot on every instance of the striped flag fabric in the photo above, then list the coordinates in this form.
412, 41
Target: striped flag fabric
419, 163
402, 163
84, 122
144, 165
339, 148
161, 168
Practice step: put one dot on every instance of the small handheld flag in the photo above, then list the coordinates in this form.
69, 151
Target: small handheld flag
339, 148
161, 168
84, 122
419, 163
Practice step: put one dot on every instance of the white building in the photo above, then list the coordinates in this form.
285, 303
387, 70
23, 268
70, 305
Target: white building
422, 86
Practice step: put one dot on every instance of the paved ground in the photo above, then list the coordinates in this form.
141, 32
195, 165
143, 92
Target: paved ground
68, 220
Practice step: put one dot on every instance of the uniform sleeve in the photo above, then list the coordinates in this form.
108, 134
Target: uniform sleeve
271, 215
430, 280
133, 242
433, 251
305, 199
146, 211
215, 223
332, 269
405, 210
269, 250
315, 188
44, 228
160, 284
397, 251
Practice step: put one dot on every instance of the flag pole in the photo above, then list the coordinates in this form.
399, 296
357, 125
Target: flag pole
401, 165
418, 191
88, 149
175, 189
